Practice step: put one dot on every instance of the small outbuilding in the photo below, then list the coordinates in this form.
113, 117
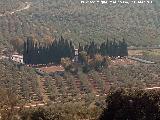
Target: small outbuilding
17, 58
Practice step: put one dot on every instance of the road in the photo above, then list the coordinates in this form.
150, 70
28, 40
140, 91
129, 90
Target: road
152, 88
26, 6
140, 60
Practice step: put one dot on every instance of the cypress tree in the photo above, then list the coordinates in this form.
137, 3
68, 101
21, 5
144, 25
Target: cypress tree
114, 47
102, 50
25, 52
107, 48
29, 50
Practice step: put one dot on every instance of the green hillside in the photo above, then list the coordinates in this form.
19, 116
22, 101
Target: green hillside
45, 20
9, 5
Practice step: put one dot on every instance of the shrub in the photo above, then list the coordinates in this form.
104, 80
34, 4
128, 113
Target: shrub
132, 105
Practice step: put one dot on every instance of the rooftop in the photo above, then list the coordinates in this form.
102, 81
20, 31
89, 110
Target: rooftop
15, 55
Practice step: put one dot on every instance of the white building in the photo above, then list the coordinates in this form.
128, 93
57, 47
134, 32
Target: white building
76, 52
17, 58
75, 59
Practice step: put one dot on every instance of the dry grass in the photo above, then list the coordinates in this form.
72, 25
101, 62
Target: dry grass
122, 62
52, 69
135, 52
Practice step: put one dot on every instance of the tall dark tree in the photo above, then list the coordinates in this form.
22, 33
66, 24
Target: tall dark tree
92, 49
44, 54
34, 53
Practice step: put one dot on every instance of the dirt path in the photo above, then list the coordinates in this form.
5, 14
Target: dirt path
26, 6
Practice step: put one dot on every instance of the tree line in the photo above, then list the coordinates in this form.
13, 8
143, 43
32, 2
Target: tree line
109, 48
34, 53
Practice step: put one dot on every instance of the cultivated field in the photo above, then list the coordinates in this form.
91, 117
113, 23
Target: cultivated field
147, 54
35, 89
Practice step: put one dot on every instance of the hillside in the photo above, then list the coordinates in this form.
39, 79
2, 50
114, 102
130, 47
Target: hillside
139, 24
9, 5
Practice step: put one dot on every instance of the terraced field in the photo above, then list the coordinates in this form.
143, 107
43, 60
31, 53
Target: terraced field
33, 88
73, 86
20, 80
